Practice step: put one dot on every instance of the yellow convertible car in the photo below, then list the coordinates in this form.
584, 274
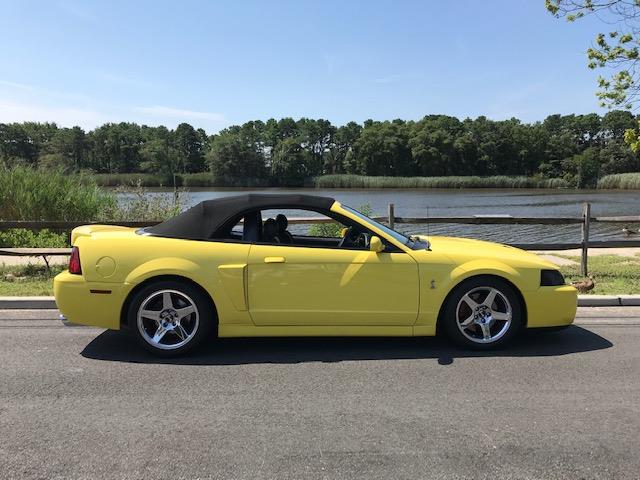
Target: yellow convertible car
233, 267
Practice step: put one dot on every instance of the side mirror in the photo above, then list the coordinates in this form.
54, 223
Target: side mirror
375, 244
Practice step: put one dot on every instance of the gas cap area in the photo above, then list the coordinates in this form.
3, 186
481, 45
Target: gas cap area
105, 266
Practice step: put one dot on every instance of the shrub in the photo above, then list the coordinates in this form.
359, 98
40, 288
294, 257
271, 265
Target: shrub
23, 238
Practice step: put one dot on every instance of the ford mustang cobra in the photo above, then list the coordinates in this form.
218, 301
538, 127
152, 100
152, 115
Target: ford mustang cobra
248, 265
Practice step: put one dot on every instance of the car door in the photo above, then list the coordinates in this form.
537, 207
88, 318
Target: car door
300, 285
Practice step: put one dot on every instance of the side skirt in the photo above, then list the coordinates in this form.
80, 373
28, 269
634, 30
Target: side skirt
319, 331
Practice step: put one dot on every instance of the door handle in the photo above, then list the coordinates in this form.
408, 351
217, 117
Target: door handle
274, 260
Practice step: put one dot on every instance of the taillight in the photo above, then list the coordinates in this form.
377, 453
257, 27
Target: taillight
74, 262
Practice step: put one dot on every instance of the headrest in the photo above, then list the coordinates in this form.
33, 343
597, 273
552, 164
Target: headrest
282, 221
270, 228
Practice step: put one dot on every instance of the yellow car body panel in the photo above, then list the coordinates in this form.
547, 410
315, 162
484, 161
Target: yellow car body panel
284, 290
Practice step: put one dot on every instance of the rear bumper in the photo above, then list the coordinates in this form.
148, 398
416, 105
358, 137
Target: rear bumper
551, 306
77, 302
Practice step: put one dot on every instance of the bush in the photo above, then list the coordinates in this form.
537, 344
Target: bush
362, 181
27, 194
23, 238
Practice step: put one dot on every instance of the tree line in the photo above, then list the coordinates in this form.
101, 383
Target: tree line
577, 148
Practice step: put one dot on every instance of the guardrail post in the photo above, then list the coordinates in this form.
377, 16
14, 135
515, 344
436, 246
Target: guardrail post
392, 217
586, 219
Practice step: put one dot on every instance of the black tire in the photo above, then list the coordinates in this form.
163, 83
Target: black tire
196, 326
457, 311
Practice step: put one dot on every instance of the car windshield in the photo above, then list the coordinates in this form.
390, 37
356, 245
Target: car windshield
411, 242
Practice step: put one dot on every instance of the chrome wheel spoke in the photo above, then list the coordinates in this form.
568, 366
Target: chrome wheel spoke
183, 312
166, 301
491, 297
151, 314
467, 321
502, 317
470, 302
181, 332
157, 337
486, 331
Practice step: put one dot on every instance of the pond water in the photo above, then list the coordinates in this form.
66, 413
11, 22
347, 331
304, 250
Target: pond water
459, 203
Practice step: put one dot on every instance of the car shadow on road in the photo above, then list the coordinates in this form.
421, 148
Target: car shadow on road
120, 347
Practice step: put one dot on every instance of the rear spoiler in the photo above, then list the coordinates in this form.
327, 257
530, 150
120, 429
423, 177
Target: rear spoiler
88, 230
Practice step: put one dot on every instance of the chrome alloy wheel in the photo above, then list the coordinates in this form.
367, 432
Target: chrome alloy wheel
484, 314
168, 319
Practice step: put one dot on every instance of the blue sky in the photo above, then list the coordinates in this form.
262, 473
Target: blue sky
216, 63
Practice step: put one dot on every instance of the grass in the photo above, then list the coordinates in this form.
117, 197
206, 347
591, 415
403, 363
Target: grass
624, 181
27, 280
614, 275
362, 181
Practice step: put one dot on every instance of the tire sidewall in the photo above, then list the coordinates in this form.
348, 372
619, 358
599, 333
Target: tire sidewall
449, 319
205, 315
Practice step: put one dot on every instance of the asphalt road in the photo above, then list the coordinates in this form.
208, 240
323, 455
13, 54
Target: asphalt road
79, 402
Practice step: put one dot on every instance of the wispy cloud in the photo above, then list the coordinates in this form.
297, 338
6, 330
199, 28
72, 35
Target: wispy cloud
20, 86
161, 111
11, 111
20, 102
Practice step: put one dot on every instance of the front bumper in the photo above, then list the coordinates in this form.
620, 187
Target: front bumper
79, 305
551, 306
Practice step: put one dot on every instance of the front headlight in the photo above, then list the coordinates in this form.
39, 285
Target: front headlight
551, 278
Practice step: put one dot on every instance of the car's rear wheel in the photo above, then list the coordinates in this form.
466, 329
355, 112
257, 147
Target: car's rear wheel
169, 318
483, 313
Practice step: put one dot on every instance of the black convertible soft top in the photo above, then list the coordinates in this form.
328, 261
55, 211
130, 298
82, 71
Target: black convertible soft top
202, 220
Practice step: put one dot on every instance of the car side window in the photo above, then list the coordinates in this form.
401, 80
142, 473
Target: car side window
306, 228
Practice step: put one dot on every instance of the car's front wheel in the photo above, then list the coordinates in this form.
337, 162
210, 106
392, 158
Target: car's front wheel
169, 318
483, 313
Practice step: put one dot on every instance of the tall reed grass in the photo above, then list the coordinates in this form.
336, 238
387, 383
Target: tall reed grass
361, 181
27, 194
624, 181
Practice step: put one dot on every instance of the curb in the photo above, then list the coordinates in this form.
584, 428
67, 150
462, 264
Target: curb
27, 303
36, 303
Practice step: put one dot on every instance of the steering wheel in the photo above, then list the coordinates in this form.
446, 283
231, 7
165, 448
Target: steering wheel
363, 239
344, 238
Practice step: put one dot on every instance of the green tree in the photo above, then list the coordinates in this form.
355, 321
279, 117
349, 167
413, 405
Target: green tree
341, 147
615, 51
237, 152
382, 149
291, 163
190, 147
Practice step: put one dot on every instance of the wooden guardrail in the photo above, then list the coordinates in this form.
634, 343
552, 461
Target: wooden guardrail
391, 219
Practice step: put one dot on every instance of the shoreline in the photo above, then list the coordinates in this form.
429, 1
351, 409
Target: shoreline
206, 180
